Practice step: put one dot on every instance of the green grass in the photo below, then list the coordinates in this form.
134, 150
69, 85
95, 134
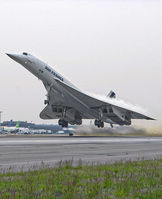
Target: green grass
141, 180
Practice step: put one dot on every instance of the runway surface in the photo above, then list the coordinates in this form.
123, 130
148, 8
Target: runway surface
27, 151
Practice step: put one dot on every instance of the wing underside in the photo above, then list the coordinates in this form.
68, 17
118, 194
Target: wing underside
86, 106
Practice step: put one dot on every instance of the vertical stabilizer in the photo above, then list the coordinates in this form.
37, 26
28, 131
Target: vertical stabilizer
17, 125
111, 95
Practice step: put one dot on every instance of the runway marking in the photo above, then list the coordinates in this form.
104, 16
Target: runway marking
79, 141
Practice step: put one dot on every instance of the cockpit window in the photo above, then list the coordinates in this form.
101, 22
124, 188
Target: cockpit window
25, 53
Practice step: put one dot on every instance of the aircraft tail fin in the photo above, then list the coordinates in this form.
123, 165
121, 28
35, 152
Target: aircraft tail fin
17, 125
111, 95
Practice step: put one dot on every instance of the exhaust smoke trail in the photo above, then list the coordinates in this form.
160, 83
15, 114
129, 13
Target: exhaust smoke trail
92, 130
119, 130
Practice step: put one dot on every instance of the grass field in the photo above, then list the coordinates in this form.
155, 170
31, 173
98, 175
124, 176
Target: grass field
141, 179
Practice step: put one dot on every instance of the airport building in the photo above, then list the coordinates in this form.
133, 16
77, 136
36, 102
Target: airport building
25, 124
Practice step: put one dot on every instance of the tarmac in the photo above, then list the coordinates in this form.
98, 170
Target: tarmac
31, 152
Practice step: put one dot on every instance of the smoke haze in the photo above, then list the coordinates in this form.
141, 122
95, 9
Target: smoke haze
120, 130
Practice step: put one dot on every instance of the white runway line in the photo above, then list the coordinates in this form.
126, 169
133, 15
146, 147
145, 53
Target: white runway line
79, 141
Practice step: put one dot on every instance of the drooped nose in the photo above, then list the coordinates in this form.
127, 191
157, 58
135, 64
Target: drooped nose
10, 55
15, 57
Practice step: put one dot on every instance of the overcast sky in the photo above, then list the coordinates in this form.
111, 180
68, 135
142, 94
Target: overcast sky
98, 45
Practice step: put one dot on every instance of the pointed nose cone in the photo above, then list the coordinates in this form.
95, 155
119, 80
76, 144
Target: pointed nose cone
7, 54
15, 57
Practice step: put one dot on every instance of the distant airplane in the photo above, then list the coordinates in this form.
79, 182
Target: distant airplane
12, 129
69, 104
16, 129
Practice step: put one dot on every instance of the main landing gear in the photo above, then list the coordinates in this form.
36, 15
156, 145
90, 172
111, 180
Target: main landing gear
63, 123
99, 123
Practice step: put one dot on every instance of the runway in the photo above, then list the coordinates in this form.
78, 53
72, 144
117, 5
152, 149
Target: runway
24, 152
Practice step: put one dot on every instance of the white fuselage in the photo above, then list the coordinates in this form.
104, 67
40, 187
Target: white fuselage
41, 70
49, 76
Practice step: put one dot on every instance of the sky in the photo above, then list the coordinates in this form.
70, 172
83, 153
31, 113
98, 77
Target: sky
99, 45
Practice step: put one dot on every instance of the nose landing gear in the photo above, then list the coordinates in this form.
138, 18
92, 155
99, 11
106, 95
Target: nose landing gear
99, 123
46, 102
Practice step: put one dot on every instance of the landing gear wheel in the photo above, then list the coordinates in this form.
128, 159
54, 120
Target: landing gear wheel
99, 123
63, 123
96, 123
102, 124
60, 122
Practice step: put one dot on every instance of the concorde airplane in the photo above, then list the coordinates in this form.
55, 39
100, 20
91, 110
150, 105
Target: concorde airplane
70, 105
